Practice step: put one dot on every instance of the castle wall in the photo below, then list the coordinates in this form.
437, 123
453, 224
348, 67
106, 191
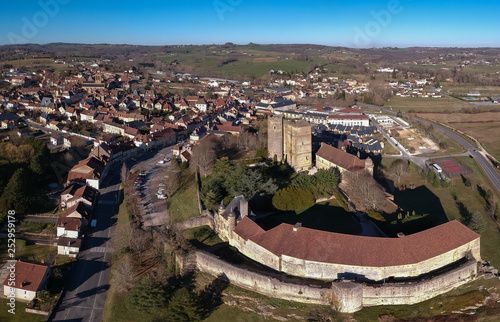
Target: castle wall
259, 283
411, 293
345, 296
331, 271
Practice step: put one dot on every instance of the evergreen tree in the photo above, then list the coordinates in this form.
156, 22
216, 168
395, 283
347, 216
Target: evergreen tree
183, 307
304, 181
477, 222
147, 295
327, 180
254, 185
19, 193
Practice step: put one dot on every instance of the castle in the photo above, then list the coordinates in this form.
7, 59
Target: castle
418, 266
290, 141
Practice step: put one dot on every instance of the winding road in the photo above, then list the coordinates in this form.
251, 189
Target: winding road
483, 162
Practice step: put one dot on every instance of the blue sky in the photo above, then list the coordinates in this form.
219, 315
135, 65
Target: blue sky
361, 23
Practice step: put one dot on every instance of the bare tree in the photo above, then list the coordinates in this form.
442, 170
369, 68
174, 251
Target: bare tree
399, 168
362, 186
124, 276
204, 155
124, 172
140, 242
172, 172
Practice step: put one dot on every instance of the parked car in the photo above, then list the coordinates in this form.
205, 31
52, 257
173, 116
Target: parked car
160, 196
161, 161
93, 223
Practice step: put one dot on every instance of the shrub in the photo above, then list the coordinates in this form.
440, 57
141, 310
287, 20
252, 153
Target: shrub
292, 198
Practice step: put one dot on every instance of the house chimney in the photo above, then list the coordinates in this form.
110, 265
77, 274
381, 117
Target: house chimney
43, 261
297, 226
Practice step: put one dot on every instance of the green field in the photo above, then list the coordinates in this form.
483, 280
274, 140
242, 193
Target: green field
258, 69
417, 104
461, 90
38, 63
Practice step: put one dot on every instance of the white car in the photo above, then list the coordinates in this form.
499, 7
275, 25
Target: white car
161, 196
161, 161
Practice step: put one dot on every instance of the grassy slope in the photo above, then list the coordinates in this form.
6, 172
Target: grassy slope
184, 203
445, 204
455, 300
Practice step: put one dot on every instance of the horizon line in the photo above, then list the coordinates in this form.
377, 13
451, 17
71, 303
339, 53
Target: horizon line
252, 43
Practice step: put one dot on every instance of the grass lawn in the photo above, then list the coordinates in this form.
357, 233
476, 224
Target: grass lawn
322, 216
30, 252
389, 149
440, 204
184, 203
20, 316
418, 104
452, 146
202, 236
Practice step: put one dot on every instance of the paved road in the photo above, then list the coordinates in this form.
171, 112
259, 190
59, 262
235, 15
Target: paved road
483, 162
85, 293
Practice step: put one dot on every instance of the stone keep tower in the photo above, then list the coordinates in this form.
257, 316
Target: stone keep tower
298, 144
290, 141
275, 136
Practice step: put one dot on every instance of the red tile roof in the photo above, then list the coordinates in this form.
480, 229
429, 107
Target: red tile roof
29, 275
340, 158
328, 247
69, 223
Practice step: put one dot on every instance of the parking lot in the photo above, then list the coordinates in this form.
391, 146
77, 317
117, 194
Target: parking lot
154, 211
